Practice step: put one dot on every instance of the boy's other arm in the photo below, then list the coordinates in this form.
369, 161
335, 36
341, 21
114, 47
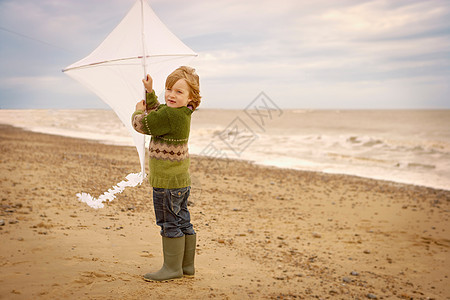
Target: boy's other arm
137, 117
155, 123
151, 104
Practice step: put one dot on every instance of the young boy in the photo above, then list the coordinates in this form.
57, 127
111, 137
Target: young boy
169, 126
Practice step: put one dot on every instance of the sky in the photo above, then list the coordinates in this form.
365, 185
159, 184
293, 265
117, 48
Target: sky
322, 54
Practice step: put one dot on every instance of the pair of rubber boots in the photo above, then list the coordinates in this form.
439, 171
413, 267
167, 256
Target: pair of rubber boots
179, 256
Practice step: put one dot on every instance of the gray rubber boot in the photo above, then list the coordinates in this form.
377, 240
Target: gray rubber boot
173, 251
189, 254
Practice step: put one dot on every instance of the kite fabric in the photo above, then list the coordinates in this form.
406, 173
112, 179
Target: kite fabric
140, 44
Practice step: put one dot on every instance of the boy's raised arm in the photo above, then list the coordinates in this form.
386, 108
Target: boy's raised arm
140, 118
151, 99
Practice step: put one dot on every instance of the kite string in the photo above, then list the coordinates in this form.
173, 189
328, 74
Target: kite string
131, 180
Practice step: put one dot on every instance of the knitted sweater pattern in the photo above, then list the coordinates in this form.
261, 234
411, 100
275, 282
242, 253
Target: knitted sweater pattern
168, 150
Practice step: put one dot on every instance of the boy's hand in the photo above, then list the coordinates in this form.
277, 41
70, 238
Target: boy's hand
140, 105
148, 83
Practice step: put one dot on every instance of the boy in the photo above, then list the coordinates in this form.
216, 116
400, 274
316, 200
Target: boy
169, 126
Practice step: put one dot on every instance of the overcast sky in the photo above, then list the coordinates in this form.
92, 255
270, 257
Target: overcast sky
322, 54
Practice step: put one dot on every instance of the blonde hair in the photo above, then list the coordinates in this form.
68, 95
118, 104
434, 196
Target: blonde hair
193, 81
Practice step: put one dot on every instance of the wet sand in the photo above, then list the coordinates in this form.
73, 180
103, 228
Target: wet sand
263, 233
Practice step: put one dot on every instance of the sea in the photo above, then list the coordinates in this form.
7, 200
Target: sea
404, 146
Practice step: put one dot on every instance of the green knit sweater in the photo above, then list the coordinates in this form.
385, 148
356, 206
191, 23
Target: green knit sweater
168, 150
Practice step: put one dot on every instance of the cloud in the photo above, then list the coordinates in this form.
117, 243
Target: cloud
318, 49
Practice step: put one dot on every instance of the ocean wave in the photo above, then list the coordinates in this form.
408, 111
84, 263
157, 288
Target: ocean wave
303, 139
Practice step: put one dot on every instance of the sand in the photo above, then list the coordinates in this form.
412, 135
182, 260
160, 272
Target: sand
263, 233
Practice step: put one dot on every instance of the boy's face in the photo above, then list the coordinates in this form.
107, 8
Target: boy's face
178, 95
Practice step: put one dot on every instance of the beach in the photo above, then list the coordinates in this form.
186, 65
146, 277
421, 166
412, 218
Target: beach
263, 232
404, 146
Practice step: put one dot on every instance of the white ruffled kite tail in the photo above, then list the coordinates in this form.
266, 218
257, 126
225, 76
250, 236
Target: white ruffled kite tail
131, 180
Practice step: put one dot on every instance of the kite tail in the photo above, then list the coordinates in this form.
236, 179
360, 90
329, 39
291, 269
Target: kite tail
132, 179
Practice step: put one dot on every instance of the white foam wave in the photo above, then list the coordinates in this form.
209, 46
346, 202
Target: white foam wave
388, 145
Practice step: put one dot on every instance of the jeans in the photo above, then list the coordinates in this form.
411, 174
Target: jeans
171, 211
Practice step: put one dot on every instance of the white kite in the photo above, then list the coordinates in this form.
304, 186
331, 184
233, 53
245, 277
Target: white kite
141, 44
